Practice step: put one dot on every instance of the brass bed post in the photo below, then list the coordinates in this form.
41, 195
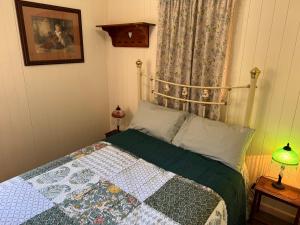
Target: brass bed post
139, 64
185, 94
166, 91
152, 88
254, 76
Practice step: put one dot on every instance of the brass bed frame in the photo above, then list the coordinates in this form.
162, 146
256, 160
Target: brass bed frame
154, 92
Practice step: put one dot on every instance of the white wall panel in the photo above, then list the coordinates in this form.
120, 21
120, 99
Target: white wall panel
49, 111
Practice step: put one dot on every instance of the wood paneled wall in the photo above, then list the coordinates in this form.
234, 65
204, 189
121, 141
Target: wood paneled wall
49, 111
267, 35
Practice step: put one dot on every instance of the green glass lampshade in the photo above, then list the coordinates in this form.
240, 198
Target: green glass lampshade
286, 156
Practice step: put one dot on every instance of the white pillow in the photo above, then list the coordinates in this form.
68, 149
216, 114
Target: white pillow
157, 121
215, 139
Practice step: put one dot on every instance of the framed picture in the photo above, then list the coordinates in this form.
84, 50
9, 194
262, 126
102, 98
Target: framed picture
49, 34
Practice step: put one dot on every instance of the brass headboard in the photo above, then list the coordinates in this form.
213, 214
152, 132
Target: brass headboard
205, 90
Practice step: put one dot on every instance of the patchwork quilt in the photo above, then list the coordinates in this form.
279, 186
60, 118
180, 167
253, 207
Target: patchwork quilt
102, 184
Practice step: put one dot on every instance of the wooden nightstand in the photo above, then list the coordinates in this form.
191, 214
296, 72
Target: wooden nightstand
289, 195
112, 132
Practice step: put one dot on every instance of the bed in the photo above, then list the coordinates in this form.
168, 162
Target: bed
129, 178
43, 195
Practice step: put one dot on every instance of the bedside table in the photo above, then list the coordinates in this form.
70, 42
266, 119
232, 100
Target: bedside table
289, 195
112, 132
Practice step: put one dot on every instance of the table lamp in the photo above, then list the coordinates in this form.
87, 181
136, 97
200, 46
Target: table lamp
286, 157
118, 113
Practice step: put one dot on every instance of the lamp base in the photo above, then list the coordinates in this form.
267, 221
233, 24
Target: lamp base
278, 186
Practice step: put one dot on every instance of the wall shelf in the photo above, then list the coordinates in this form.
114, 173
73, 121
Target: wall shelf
128, 34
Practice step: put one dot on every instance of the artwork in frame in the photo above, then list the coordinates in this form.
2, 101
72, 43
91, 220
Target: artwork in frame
49, 34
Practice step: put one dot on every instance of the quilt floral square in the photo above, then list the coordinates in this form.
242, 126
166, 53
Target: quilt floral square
60, 183
102, 203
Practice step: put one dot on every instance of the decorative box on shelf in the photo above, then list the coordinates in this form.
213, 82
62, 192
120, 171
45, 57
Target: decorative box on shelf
128, 34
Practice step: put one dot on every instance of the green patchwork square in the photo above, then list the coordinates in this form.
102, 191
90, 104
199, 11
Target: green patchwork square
184, 201
50, 217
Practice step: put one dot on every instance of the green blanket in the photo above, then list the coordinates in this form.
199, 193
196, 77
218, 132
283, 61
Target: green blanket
228, 183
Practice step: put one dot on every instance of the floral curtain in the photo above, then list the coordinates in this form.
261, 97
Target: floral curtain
192, 46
